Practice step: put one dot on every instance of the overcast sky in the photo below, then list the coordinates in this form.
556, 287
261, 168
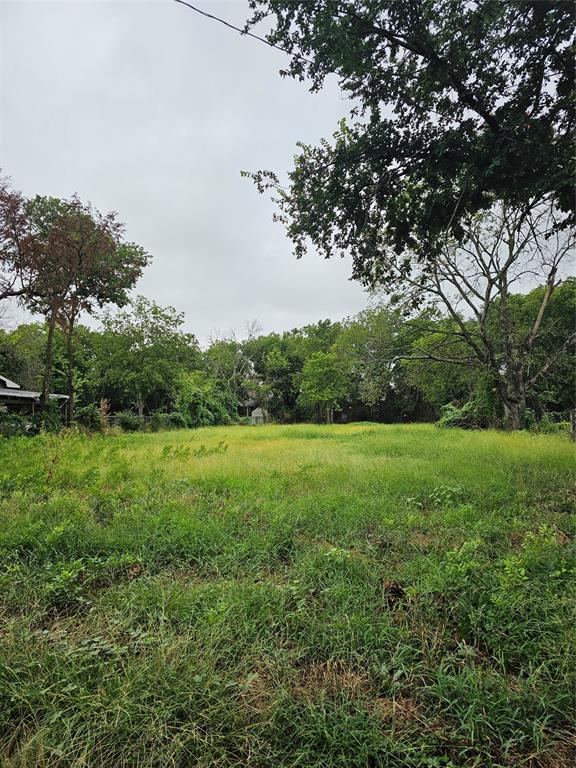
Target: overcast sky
151, 110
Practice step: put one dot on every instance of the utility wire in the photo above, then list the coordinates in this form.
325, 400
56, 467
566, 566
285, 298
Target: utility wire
244, 31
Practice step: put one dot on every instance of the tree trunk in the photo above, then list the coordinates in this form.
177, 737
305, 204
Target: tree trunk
70, 373
513, 399
514, 413
44, 395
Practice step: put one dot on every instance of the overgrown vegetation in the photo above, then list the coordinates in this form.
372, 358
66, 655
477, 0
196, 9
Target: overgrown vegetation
344, 596
449, 333
378, 365
356, 595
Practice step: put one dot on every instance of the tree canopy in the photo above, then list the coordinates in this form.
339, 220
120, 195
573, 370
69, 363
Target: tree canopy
379, 365
454, 104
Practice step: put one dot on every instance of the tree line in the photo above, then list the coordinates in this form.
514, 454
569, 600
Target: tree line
379, 365
446, 338
450, 187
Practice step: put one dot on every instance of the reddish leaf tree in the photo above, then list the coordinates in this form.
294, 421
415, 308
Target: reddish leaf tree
87, 264
20, 258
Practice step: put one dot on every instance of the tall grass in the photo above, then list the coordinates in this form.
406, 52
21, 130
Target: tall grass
344, 596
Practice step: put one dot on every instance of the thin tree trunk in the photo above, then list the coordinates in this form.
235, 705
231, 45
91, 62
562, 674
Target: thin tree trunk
70, 373
44, 395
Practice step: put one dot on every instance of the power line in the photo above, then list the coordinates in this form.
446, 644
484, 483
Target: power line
243, 31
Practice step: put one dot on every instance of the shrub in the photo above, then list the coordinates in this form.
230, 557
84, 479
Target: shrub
160, 420
89, 417
176, 420
129, 421
465, 417
529, 419
17, 424
20, 424
203, 402
549, 425
51, 417
477, 413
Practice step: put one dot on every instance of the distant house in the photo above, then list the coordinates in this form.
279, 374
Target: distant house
257, 416
249, 403
14, 398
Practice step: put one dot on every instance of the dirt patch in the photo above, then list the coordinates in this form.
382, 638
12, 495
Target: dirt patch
422, 540
561, 755
516, 540
401, 708
393, 592
257, 691
330, 678
309, 542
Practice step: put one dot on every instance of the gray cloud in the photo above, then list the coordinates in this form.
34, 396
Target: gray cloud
148, 109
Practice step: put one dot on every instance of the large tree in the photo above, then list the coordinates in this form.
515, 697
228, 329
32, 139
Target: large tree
503, 249
86, 264
454, 103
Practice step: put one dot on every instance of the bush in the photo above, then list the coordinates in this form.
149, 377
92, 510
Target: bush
174, 420
89, 417
467, 416
480, 412
549, 425
129, 421
51, 417
203, 402
160, 420
17, 425
177, 420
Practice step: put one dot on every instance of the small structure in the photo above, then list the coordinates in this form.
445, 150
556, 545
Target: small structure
14, 398
249, 403
258, 416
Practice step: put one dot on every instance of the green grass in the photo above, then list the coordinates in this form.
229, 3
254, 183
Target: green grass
323, 597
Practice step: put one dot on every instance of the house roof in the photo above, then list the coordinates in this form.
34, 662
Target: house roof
24, 394
9, 390
4, 382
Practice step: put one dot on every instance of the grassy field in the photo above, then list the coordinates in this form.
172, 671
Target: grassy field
324, 597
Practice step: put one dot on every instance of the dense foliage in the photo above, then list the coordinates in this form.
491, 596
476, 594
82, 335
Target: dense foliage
454, 104
378, 365
453, 179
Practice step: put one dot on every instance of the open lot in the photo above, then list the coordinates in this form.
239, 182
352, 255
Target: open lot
354, 596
